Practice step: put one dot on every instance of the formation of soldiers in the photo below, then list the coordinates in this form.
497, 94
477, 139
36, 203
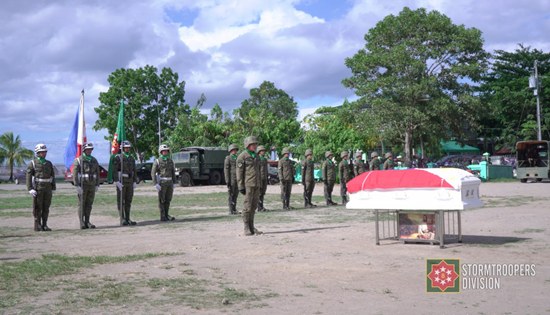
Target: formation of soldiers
245, 173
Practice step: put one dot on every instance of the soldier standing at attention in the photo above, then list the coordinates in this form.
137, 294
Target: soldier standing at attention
359, 166
286, 176
263, 176
125, 166
230, 172
329, 177
388, 163
344, 171
308, 179
374, 162
163, 174
40, 184
248, 179
86, 181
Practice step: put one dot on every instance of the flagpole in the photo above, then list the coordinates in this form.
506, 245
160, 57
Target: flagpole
81, 116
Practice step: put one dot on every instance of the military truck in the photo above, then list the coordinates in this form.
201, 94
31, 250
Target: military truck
200, 165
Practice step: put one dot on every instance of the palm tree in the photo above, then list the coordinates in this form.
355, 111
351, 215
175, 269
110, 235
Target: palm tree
12, 152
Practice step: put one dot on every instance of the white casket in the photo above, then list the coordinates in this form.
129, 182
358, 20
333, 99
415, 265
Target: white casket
415, 189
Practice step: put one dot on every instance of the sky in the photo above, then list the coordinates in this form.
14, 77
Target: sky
50, 50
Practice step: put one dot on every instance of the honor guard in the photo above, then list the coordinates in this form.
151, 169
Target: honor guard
374, 163
308, 178
163, 174
40, 178
359, 166
286, 176
344, 169
126, 182
86, 181
248, 180
263, 176
329, 177
230, 172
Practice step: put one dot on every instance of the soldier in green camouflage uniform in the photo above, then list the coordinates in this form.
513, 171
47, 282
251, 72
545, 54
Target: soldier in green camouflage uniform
374, 162
248, 179
86, 181
163, 174
344, 171
308, 178
388, 163
40, 184
329, 177
359, 166
263, 176
230, 172
126, 182
286, 176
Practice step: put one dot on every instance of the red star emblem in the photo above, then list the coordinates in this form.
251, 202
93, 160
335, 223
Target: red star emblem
443, 275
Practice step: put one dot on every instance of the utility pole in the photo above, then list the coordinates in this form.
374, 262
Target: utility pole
535, 85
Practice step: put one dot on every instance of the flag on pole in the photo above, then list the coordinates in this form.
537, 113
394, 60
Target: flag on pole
77, 137
118, 137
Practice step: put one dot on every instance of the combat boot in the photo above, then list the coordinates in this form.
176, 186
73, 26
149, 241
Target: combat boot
252, 228
87, 223
37, 225
168, 217
246, 221
45, 225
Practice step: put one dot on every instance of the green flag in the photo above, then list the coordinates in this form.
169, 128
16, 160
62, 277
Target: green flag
118, 137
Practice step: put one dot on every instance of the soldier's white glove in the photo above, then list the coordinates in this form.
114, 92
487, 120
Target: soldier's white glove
135, 185
96, 188
79, 190
157, 186
33, 192
118, 185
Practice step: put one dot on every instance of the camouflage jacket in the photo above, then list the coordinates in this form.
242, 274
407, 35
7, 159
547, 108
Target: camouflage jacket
344, 171
230, 169
86, 171
329, 171
248, 170
308, 171
359, 167
285, 170
40, 175
163, 171
128, 164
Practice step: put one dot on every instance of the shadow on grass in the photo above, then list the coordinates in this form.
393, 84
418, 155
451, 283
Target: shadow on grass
186, 219
491, 240
309, 230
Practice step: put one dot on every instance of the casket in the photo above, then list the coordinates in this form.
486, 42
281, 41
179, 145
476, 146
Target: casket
415, 189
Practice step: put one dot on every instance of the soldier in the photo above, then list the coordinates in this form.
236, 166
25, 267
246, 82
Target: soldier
86, 181
163, 174
248, 179
263, 176
374, 162
344, 172
359, 166
230, 172
329, 177
388, 163
125, 165
286, 176
308, 179
40, 184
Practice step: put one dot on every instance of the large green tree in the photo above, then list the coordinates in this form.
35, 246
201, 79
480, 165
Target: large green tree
12, 152
270, 114
148, 97
510, 112
416, 74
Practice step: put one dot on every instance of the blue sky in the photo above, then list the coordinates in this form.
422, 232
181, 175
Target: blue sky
222, 48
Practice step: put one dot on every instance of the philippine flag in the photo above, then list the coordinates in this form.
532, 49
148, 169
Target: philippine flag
77, 137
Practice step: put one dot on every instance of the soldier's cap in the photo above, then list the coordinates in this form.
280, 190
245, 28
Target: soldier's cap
89, 146
359, 153
232, 147
260, 148
374, 154
250, 140
344, 154
328, 154
286, 151
308, 152
41, 147
388, 154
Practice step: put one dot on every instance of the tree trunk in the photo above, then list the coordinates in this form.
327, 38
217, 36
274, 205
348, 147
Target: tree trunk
408, 147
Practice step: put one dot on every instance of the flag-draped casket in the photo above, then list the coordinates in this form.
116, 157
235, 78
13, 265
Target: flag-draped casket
415, 189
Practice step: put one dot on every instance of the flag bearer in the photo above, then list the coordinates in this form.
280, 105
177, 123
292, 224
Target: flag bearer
86, 181
126, 182
40, 183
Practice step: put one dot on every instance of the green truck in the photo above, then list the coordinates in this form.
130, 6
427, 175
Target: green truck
200, 165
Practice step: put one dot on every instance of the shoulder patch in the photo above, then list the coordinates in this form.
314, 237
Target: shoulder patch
240, 164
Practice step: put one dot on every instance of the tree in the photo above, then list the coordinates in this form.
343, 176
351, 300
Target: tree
12, 153
416, 73
270, 114
510, 112
147, 96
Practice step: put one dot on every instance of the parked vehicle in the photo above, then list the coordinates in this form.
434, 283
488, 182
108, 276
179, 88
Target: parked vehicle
200, 165
533, 160
20, 177
144, 171
102, 175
